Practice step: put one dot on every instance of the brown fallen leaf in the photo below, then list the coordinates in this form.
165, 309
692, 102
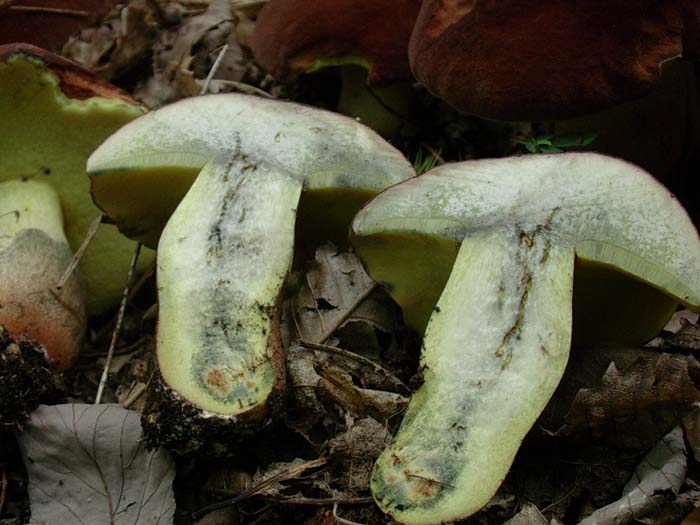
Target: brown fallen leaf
628, 397
336, 291
657, 479
185, 54
118, 44
352, 454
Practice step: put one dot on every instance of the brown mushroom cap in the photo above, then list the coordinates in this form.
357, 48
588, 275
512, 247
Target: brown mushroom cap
48, 23
292, 36
520, 60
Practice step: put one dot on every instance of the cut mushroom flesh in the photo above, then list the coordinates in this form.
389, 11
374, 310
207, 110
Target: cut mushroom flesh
498, 338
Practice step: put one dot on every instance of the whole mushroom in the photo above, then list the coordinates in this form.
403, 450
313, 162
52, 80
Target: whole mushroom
55, 113
487, 254
256, 167
368, 40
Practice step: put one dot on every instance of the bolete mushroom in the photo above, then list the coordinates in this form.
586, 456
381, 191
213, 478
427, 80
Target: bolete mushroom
228, 245
484, 252
48, 23
54, 114
549, 60
368, 39
34, 254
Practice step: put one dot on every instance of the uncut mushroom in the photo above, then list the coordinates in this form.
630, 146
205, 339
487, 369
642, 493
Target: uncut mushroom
34, 253
54, 115
48, 23
368, 39
551, 60
228, 245
483, 253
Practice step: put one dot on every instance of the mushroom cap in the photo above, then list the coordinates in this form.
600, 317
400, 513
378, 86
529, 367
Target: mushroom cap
54, 114
558, 59
610, 212
48, 23
298, 36
158, 156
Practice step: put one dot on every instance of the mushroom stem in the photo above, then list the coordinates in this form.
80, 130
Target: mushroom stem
222, 259
494, 351
384, 109
34, 253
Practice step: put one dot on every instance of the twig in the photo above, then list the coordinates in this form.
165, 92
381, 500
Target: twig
342, 520
346, 314
353, 356
117, 327
50, 10
89, 235
285, 474
117, 351
134, 290
137, 393
321, 501
214, 69
248, 89
3, 489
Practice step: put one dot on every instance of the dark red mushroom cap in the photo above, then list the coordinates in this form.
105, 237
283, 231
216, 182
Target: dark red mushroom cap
48, 23
292, 35
524, 60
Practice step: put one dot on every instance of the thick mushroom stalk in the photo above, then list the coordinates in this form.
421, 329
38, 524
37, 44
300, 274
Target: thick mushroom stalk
34, 253
229, 243
498, 339
218, 284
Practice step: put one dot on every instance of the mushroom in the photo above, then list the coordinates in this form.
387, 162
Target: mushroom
54, 114
369, 39
34, 253
227, 246
48, 23
484, 253
552, 60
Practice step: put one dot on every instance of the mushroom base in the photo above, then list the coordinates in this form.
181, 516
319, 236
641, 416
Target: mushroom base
26, 380
172, 422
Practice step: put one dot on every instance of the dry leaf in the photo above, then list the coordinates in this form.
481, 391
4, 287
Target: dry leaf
660, 475
184, 56
628, 397
528, 515
87, 464
336, 291
352, 453
321, 378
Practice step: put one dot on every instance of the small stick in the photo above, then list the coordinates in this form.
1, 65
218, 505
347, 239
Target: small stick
117, 327
355, 357
134, 290
137, 393
49, 10
342, 520
285, 474
3, 489
321, 501
89, 234
214, 69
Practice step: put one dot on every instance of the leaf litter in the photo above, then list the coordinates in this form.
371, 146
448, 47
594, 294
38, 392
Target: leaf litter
351, 362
